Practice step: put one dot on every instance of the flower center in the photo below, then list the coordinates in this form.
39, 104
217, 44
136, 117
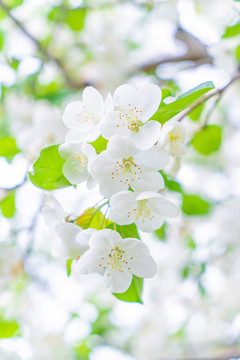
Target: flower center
89, 116
142, 211
173, 138
132, 115
79, 161
116, 259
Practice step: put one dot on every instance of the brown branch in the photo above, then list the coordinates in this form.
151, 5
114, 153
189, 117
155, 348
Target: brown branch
72, 83
197, 52
215, 92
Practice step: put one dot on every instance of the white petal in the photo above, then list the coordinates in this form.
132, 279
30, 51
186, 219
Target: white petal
94, 99
67, 231
121, 147
115, 123
89, 263
122, 199
108, 187
134, 247
104, 240
143, 267
149, 225
153, 157
75, 170
164, 207
150, 96
52, 211
149, 181
147, 135
124, 95
122, 217
117, 281
72, 114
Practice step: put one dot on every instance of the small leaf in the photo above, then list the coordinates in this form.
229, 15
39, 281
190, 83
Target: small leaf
7, 205
8, 147
195, 205
171, 184
128, 231
231, 31
47, 170
100, 144
161, 233
8, 328
76, 18
133, 294
92, 218
69, 266
195, 114
2, 38
166, 112
207, 140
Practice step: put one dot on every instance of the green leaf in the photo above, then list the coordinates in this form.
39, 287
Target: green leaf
100, 144
237, 53
69, 266
7, 205
195, 114
171, 184
93, 218
207, 140
166, 112
2, 38
128, 231
190, 243
133, 294
195, 205
231, 31
76, 18
47, 170
8, 328
161, 233
8, 147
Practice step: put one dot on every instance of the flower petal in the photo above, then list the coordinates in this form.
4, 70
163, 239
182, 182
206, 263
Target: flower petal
150, 96
93, 98
147, 135
143, 267
117, 281
104, 239
154, 157
89, 263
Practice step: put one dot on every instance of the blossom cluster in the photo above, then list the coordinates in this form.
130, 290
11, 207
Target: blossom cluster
127, 173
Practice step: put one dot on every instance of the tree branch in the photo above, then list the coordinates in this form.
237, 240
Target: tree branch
215, 92
72, 83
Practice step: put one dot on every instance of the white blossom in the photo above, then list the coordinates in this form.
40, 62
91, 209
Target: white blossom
69, 239
147, 209
122, 166
83, 117
172, 138
133, 109
77, 156
116, 259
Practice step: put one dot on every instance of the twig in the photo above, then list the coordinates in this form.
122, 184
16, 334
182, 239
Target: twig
215, 92
44, 50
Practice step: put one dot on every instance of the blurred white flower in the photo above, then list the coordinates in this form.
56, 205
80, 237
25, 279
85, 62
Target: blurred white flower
172, 138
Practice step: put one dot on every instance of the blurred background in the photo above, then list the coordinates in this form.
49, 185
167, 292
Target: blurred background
49, 51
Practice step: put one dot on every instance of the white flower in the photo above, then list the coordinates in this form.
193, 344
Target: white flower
77, 156
116, 259
70, 241
122, 166
133, 110
83, 117
172, 138
146, 209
